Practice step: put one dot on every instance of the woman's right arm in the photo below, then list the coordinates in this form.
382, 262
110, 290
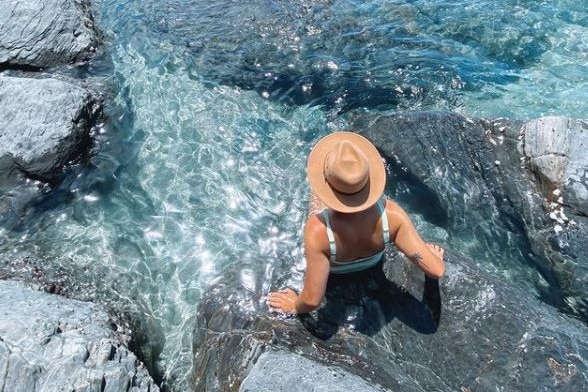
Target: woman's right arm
315, 276
317, 267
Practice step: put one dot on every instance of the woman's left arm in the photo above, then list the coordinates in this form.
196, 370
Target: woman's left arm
408, 240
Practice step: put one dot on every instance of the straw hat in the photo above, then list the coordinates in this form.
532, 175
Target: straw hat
346, 172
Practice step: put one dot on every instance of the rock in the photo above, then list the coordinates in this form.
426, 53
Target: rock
448, 164
395, 330
450, 159
233, 332
45, 33
44, 124
556, 150
267, 375
490, 334
50, 343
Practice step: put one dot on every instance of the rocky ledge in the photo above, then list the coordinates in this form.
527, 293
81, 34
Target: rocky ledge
44, 124
51, 343
391, 329
524, 182
47, 117
38, 34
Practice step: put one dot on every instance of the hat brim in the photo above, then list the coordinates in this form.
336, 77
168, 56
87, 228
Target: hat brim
338, 201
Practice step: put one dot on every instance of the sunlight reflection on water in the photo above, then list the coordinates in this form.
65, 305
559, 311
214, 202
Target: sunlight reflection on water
217, 182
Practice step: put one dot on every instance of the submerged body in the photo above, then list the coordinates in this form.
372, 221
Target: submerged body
347, 176
358, 237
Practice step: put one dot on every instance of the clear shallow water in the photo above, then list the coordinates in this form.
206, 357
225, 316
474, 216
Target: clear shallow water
201, 167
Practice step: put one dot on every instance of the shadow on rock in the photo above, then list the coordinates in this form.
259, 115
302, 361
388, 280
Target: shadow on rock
514, 192
367, 301
470, 332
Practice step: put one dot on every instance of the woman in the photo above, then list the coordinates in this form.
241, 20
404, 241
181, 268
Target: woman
346, 173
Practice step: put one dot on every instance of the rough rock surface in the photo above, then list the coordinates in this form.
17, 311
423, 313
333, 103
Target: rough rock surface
475, 171
43, 33
50, 343
397, 331
308, 376
556, 149
44, 123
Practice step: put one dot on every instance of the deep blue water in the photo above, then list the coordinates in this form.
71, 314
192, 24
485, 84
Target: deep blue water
216, 104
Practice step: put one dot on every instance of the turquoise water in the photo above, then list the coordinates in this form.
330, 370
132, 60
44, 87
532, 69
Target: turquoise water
200, 167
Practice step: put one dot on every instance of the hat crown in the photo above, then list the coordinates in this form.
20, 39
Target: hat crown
346, 168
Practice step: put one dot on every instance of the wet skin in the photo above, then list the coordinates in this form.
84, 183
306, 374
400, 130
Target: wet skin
356, 235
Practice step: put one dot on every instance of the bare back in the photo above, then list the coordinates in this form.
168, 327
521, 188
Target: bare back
357, 235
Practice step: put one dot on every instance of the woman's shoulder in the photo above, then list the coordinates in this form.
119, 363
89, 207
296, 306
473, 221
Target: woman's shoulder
396, 215
315, 223
315, 237
392, 206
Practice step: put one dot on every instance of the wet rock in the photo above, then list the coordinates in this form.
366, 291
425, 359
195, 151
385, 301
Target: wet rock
235, 336
556, 150
480, 176
490, 333
51, 343
389, 328
307, 375
45, 33
44, 124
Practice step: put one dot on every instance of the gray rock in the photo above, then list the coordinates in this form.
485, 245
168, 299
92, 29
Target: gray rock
268, 375
457, 165
395, 330
44, 123
44, 33
50, 343
475, 176
490, 335
233, 331
556, 149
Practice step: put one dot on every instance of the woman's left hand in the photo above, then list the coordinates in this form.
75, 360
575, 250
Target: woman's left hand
283, 301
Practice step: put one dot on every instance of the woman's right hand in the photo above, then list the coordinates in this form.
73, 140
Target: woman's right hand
283, 301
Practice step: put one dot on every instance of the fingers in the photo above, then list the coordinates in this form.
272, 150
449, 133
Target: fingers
276, 301
282, 301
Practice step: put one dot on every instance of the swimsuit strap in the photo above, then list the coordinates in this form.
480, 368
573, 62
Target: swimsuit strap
385, 228
332, 246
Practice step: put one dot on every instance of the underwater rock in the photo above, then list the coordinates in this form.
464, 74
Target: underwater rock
44, 124
50, 343
346, 54
44, 33
234, 331
396, 330
477, 174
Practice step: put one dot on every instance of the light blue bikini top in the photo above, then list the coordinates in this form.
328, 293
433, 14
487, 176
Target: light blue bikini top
364, 262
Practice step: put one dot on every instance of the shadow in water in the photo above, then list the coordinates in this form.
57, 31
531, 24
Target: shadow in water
367, 301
